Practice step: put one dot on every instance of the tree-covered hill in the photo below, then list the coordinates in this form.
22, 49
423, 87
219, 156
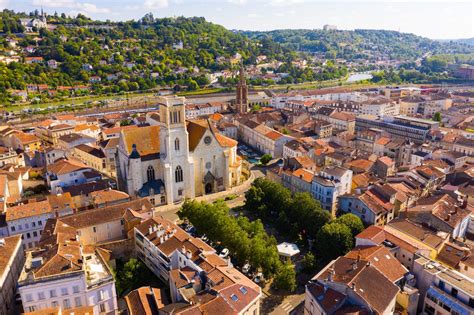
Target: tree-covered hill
360, 43
133, 55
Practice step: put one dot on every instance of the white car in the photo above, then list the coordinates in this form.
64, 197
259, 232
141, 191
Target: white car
246, 268
224, 253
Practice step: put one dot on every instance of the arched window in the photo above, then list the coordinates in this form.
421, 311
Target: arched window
178, 174
176, 144
150, 173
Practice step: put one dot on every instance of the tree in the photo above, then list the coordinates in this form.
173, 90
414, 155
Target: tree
353, 222
333, 240
265, 159
255, 108
309, 263
286, 278
437, 116
131, 275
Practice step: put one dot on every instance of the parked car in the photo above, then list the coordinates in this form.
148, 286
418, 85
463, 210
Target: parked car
246, 268
224, 253
204, 238
258, 278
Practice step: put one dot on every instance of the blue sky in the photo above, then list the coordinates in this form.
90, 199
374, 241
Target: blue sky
431, 18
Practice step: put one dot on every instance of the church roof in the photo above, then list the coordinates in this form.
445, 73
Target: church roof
196, 130
147, 139
146, 188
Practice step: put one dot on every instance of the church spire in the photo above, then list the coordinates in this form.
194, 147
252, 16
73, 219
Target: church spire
241, 102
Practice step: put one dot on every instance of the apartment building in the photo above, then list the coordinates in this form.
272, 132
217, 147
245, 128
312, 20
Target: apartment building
263, 138
329, 184
444, 290
380, 107
61, 274
90, 156
192, 267
413, 129
50, 131
11, 263
351, 285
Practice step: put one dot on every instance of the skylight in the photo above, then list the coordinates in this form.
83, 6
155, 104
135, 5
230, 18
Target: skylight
243, 290
234, 297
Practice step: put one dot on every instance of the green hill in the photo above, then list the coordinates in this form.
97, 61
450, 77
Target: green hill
366, 44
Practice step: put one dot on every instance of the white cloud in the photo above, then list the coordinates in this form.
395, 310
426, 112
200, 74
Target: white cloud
281, 3
238, 2
75, 6
155, 4
3, 4
253, 15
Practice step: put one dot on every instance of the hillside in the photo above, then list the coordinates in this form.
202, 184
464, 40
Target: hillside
137, 55
357, 44
77, 56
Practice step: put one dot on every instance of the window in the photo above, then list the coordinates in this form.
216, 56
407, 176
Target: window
441, 285
66, 304
102, 308
64, 291
35, 234
75, 289
54, 304
33, 224
29, 297
13, 229
176, 144
454, 292
27, 226
100, 295
77, 301
28, 235
52, 293
150, 173
94, 229
40, 223
40, 295
178, 174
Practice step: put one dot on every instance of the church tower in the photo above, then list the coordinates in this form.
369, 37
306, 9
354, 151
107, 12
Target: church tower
178, 168
241, 104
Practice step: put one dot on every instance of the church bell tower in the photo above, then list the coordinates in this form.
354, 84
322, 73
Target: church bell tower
241, 104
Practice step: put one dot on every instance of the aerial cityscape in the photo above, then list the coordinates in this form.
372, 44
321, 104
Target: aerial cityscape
236, 157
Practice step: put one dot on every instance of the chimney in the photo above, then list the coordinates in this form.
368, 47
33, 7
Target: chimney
354, 265
448, 217
150, 229
353, 286
330, 275
358, 255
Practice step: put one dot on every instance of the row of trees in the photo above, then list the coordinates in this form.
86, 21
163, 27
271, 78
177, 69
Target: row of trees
247, 241
300, 218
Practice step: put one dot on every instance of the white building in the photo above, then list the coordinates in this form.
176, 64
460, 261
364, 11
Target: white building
329, 184
190, 266
263, 138
177, 159
68, 172
11, 263
380, 107
63, 274
28, 220
443, 290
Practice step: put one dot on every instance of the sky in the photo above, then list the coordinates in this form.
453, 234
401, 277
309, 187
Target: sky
436, 19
